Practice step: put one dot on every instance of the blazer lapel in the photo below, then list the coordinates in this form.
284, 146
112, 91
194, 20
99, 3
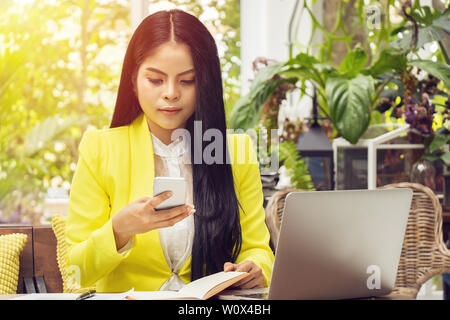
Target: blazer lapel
141, 185
142, 161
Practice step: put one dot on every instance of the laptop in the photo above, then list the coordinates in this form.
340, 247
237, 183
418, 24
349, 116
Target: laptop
337, 245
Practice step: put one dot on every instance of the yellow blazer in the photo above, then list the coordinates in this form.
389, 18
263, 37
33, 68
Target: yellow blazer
116, 167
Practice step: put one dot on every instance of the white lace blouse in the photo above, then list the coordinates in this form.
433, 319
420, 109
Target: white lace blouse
173, 160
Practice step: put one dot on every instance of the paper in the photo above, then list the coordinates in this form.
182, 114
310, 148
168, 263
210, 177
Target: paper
155, 295
112, 296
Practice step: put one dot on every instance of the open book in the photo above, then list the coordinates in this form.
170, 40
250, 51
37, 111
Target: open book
200, 289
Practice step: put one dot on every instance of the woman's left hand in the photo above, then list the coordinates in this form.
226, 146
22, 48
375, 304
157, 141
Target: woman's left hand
254, 280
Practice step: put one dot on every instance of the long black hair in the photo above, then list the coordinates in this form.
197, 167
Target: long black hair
218, 236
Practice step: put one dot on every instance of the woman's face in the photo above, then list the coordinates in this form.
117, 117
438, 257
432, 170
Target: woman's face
166, 88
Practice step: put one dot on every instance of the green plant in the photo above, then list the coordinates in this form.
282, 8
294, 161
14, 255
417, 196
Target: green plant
348, 93
420, 102
27, 165
434, 148
53, 83
297, 168
246, 113
60, 67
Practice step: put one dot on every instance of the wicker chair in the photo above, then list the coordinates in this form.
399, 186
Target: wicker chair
274, 213
424, 253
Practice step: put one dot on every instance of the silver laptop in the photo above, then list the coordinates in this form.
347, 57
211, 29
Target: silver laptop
338, 244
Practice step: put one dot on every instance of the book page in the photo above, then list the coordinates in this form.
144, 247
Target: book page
202, 288
219, 281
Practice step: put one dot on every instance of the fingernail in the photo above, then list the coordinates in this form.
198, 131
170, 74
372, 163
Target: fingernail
192, 211
169, 193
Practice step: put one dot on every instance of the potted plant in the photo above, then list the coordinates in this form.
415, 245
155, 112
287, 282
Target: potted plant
294, 170
350, 92
356, 93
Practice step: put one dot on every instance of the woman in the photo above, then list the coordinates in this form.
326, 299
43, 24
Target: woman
171, 80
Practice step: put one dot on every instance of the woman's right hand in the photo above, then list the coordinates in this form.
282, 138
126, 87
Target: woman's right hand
141, 216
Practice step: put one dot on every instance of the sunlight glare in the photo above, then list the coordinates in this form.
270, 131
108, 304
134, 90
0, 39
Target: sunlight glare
24, 2
160, 5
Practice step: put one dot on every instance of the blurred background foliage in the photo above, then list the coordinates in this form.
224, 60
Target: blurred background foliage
60, 64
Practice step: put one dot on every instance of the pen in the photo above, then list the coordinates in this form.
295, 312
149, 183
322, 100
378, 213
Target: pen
86, 295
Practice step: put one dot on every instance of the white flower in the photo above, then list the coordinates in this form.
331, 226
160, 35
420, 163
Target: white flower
284, 181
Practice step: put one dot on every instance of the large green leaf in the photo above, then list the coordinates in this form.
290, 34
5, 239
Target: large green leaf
303, 59
438, 141
303, 73
432, 26
353, 62
247, 111
425, 15
306, 67
302, 67
243, 113
390, 59
349, 102
443, 21
263, 76
439, 70
425, 35
446, 158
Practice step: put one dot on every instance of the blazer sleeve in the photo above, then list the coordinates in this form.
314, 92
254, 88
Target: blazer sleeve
91, 244
255, 235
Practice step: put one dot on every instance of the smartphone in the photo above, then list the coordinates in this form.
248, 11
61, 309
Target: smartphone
178, 186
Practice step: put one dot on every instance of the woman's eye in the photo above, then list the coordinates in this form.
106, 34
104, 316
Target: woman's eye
159, 81
155, 81
188, 81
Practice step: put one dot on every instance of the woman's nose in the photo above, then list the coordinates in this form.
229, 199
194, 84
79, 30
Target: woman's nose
171, 93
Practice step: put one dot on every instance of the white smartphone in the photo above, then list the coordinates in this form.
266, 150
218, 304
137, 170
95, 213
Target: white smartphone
176, 185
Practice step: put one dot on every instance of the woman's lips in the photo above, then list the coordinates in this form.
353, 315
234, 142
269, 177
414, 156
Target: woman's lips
170, 111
